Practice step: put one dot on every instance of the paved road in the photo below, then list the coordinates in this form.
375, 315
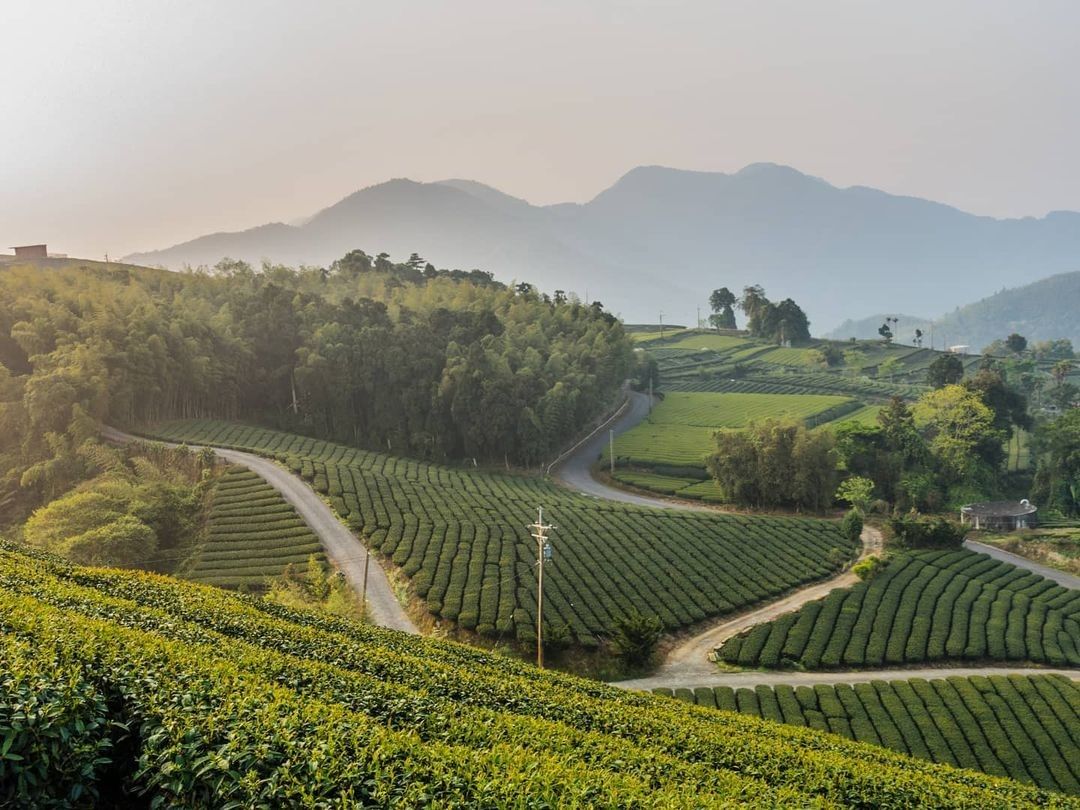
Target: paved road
342, 547
575, 471
1060, 577
754, 678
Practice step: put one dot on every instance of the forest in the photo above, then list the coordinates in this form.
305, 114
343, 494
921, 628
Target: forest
436, 364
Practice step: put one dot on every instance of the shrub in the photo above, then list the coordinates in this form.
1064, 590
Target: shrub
867, 569
852, 525
914, 532
636, 636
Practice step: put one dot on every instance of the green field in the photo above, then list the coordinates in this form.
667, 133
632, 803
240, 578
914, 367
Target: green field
680, 430
697, 341
925, 606
179, 695
462, 538
252, 533
1026, 728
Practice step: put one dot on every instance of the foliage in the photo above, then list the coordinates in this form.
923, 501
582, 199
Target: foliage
234, 701
851, 525
460, 536
924, 606
776, 463
438, 365
857, 491
721, 302
140, 510
947, 369
778, 323
320, 587
635, 637
1057, 479
916, 532
1016, 343
866, 569
956, 423
1017, 726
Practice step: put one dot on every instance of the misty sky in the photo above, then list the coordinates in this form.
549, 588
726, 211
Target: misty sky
134, 125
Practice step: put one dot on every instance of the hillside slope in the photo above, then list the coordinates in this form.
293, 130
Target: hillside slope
1042, 310
661, 239
186, 695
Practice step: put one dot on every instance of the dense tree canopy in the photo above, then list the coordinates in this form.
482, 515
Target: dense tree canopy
425, 362
776, 463
781, 323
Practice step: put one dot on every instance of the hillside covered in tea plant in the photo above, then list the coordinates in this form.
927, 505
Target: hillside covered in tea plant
126, 687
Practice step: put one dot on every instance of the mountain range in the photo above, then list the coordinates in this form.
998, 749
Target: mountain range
661, 239
1047, 309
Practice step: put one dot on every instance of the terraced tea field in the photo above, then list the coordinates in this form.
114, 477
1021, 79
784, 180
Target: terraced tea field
461, 537
698, 341
679, 433
925, 606
244, 703
252, 533
1026, 728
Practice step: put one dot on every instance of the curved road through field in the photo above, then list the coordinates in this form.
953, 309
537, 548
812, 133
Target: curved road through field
688, 664
575, 471
342, 546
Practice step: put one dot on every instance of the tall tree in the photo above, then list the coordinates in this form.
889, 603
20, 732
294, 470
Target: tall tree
946, 369
722, 302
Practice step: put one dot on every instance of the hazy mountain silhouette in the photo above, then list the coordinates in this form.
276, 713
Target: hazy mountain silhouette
1043, 310
664, 238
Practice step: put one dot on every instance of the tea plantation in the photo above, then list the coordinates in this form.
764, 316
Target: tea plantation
679, 432
924, 606
462, 538
130, 689
252, 533
1027, 728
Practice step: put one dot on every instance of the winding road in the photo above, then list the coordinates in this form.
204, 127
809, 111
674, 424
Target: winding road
688, 664
342, 546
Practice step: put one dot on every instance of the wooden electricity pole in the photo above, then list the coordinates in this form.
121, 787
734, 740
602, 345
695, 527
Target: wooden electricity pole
543, 552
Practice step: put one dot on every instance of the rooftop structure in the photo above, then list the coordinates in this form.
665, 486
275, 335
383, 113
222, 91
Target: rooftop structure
1000, 515
30, 251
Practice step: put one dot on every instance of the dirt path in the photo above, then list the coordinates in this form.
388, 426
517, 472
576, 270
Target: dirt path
342, 547
691, 660
756, 677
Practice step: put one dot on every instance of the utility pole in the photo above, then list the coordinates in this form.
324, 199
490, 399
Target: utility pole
611, 449
543, 552
661, 324
363, 597
699, 317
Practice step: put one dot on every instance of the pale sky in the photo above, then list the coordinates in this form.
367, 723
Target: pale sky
131, 126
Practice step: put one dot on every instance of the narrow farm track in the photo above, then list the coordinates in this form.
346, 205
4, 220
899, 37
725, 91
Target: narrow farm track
691, 658
342, 547
758, 677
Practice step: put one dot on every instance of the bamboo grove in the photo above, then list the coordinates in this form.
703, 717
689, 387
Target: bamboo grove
427, 363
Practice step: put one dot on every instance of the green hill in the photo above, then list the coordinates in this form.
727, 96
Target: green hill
1042, 310
124, 688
